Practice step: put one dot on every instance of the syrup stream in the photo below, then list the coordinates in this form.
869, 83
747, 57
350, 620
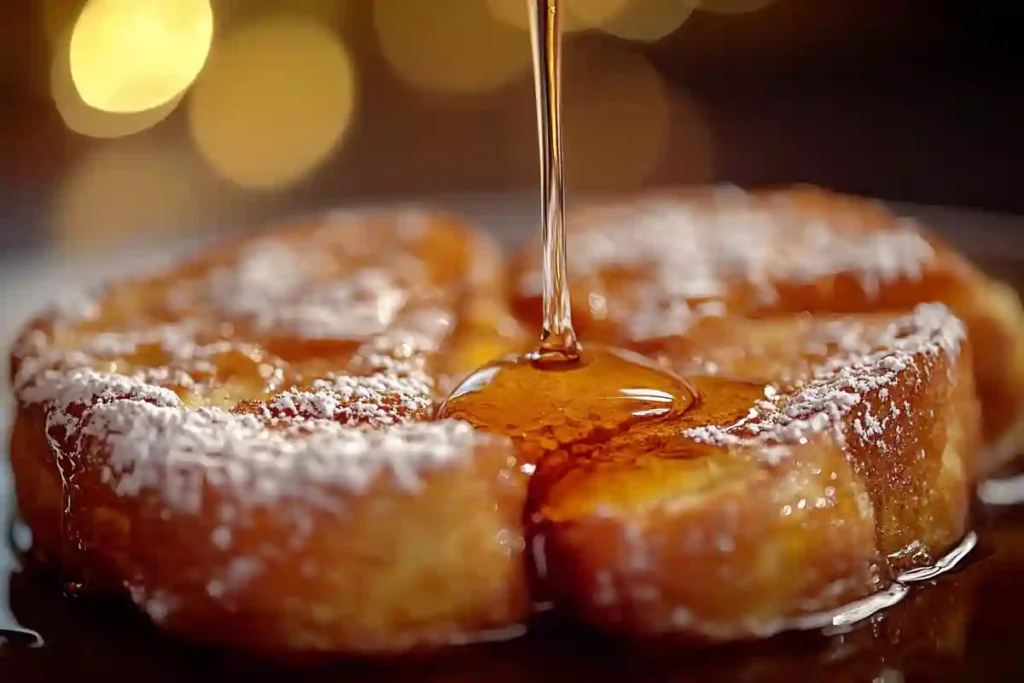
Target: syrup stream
558, 339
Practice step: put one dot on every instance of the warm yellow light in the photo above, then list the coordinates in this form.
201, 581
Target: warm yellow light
332, 13
577, 15
133, 55
454, 46
588, 14
617, 119
732, 6
125, 190
274, 101
646, 20
515, 13
85, 120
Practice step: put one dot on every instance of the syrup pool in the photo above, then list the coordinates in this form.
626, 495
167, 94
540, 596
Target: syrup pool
546, 406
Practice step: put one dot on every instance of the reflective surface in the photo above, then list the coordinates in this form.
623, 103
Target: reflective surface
558, 337
966, 626
545, 404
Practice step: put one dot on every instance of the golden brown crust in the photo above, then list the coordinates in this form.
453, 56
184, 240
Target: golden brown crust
776, 253
245, 443
843, 459
243, 449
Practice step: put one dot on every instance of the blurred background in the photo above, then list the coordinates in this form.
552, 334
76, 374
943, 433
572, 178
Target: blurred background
122, 119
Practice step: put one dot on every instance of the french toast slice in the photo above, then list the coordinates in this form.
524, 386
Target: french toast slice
825, 457
241, 443
657, 265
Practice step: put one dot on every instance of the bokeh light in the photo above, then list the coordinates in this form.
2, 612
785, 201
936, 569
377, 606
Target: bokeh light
515, 13
274, 101
733, 6
641, 20
691, 141
617, 118
595, 14
646, 20
85, 120
128, 188
621, 119
133, 55
332, 13
449, 46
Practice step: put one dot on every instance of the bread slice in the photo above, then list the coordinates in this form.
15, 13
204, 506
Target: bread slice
655, 266
824, 458
241, 443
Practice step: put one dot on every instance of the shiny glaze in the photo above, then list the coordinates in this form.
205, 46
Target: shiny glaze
963, 627
960, 628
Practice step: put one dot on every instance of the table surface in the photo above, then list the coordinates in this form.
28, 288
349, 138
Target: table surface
962, 629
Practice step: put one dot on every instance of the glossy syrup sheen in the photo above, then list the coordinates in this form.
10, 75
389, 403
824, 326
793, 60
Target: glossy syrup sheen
602, 393
965, 626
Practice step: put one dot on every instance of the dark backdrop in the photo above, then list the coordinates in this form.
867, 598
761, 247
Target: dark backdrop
909, 100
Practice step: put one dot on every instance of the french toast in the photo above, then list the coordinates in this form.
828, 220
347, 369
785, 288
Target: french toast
247, 444
661, 264
242, 443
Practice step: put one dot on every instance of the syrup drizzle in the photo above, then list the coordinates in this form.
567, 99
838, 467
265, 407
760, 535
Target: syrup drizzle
571, 392
556, 397
558, 339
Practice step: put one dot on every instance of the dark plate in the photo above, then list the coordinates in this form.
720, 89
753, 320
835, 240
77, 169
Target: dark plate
964, 627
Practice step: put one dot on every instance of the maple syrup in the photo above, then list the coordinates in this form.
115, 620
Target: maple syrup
559, 394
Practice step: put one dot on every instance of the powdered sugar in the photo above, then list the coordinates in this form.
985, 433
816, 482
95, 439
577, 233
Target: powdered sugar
379, 400
698, 250
166, 398
866, 362
276, 286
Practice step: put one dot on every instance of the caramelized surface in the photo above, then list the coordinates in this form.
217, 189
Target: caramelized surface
248, 443
848, 456
656, 266
241, 443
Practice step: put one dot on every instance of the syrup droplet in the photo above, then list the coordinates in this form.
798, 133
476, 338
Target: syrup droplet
547, 404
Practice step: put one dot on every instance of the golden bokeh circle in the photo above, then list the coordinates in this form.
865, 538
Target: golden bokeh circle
124, 190
648, 20
274, 102
617, 117
591, 14
449, 46
85, 120
128, 56
733, 6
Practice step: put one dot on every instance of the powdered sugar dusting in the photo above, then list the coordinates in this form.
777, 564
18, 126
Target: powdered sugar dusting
692, 251
866, 362
190, 394
173, 452
276, 286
